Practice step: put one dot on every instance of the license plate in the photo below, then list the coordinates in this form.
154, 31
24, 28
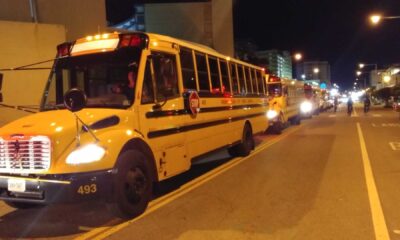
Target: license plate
16, 185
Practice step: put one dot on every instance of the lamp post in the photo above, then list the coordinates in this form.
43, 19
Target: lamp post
298, 57
358, 73
362, 65
376, 18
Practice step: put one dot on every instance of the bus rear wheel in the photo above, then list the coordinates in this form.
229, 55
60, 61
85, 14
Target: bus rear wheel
245, 146
132, 185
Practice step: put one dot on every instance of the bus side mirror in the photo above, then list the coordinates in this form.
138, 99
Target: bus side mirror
1, 85
75, 100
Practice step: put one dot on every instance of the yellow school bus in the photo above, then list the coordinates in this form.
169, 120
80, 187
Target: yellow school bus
122, 111
286, 97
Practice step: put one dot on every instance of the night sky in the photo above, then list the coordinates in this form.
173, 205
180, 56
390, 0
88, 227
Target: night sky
323, 30
336, 31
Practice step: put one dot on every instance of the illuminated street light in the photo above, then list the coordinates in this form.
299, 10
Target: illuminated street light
361, 65
386, 79
316, 70
376, 18
298, 56
358, 73
395, 71
303, 76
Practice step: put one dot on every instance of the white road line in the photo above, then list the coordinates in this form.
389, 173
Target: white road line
378, 219
355, 113
395, 146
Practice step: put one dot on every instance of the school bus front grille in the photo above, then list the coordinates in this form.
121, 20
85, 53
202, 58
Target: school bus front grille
25, 155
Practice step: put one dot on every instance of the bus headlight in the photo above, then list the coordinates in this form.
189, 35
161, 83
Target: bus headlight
271, 114
306, 107
86, 154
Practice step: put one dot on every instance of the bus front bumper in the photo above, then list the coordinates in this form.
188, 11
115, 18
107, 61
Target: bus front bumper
61, 188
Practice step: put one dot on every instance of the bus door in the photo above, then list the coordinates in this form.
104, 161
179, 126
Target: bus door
161, 113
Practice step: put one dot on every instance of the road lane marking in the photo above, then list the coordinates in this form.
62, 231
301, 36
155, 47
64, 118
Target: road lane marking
378, 219
105, 231
355, 113
332, 115
395, 145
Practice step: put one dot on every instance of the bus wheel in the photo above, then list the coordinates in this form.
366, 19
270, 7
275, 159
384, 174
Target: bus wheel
22, 205
132, 186
245, 146
296, 120
278, 126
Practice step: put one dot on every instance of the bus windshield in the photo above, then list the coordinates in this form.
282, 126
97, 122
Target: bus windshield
108, 79
274, 89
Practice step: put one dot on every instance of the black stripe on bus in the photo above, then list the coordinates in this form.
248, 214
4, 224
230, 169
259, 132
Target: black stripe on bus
170, 131
207, 94
169, 113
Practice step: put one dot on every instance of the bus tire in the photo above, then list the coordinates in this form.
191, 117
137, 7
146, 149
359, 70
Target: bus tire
245, 146
296, 120
22, 205
278, 126
132, 185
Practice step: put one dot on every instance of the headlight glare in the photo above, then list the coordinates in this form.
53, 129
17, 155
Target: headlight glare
306, 107
271, 114
86, 154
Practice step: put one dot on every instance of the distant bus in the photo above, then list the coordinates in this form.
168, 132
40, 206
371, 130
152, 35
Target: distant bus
145, 106
286, 97
313, 100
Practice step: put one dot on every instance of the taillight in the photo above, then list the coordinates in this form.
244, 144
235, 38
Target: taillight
132, 40
64, 49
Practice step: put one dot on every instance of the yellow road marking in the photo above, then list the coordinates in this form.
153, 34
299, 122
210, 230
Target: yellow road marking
378, 219
105, 231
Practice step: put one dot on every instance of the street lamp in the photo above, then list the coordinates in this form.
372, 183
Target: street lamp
316, 70
376, 18
298, 56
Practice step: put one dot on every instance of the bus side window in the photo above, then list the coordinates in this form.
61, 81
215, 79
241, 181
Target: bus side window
242, 81
214, 73
226, 85
285, 90
261, 89
188, 74
147, 89
249, 82
235, 86
255, 81
202, 72
165, 75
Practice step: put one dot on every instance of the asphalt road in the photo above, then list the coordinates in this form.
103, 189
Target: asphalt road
332, 177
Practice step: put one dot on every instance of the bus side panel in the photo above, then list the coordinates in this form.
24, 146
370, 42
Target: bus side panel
222, 134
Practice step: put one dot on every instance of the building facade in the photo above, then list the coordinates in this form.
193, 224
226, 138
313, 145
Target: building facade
208, 22
317, 71
80, 18
279, 63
